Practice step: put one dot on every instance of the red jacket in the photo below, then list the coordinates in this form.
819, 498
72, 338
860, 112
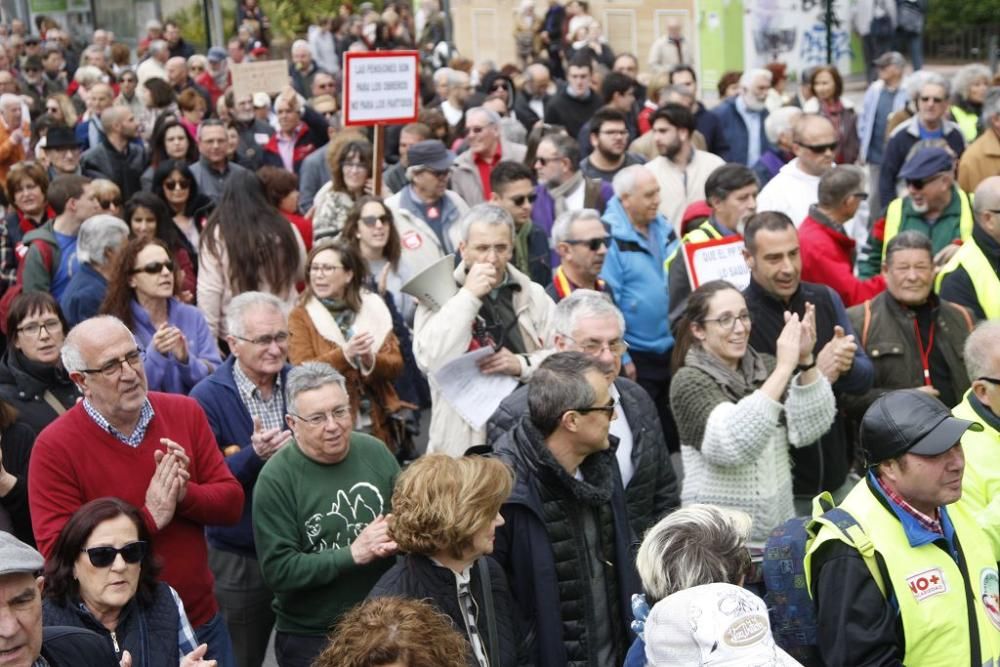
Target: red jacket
827, 258
74, 461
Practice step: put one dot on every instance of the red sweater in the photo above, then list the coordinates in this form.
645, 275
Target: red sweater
74, 461
826, 259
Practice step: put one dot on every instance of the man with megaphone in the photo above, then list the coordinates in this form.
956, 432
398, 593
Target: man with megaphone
495, 306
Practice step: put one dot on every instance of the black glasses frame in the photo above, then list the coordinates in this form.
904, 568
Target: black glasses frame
132, 553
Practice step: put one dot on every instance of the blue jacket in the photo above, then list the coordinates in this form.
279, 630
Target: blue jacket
167, 373
83, 296
735, 131
866, 121
232, 425
633, 269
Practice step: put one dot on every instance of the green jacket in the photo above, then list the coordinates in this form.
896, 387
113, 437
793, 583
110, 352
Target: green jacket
37, 276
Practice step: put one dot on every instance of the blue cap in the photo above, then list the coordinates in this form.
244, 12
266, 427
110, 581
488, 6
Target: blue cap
927, 162
216, 54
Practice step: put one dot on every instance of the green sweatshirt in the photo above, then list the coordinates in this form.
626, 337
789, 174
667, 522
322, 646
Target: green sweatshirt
305, 517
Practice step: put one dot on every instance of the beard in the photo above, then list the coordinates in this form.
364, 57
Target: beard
919, 208
753, 104
609, 155
671, 150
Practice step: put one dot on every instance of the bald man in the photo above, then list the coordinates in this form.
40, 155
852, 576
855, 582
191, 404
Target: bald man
531, 101
971, 278
118, 157
99, 97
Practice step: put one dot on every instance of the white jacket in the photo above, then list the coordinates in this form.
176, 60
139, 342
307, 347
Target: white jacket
681, 187
419, 243
439, 337
792, 191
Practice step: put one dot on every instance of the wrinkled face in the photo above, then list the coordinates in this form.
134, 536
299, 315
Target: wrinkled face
890, 73
104, 589
483, 539
302, 59
65, 160
429, 184
176, 142
288, 115
576, 249
578, 80
824, 86
143, 223
483, 135
552, 168
12, 114
323, 85
517, 198
776, 264
327, 276
930, 194
20, 619
669, 140
599, 337
373, 227
244, 108
932, 104
328, 442
213, 144
38, 343
756, 94
120, 395
736, 208
928, 482
641, 204
99, 98
28, 197
724, 332
176, 72
909, 276
254, 357
153, 273
817, 146
490, 244
611, 139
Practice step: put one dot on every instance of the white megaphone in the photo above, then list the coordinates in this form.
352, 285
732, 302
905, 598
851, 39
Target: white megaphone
433, 286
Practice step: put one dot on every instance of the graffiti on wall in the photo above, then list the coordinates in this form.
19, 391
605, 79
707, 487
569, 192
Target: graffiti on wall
794, 32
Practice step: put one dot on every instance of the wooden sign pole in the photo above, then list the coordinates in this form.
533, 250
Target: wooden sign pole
378, 157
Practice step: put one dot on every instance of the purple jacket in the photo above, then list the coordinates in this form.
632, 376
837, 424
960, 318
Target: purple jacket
166, 373
543, 212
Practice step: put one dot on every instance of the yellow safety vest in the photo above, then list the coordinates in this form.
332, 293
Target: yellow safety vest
984, 278
894, 218
933, 592
981, 481
706, 231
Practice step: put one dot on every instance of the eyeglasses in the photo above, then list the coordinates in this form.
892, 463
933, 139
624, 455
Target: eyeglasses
860, 195
921, 183
132, 553
728, 322
518, 200
445, 173
154, 268
196, 68
176, 185
498, 86
989, 379
592, 244
108, 203
266, 340
325, 268
930, 98
593, 348
372, 220
545, 160
608, 409
820, 148
113, 368
474, 129
356, 166
35, 328
321, 418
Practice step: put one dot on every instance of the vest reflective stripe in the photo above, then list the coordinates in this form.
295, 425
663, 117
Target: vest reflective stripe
706, 231
894, 218
929, 586
982, 274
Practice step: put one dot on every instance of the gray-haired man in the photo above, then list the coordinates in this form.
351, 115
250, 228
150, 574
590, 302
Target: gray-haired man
98, 243
319, 514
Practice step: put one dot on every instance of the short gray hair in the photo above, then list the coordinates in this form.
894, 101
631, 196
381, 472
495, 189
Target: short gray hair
309, 376
624, 181
695, 545
492, 116
583, 303
979, 347
72, 357
10, 99
564, 223
88, 75
991, 107
97, 236
780, 121
299, 45
966, 76
751, 75
457, 77
910, 239
839, 183
935, 79
157, 46
559, 385
240, 305
485, 214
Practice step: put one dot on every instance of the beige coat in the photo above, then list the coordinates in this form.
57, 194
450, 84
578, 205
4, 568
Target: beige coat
465, 175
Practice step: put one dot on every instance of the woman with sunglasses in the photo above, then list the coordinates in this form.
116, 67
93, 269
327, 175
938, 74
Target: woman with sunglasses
101, 576
339, 322
350, 178
108, 194
178, 348
738, 411
61, 109
148, 217
170, 141
174, 184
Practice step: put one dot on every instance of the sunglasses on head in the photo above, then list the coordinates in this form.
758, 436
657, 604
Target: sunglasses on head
176, 185
820, 148
154, 268
132, 553
372, 220
518, 200
592, 244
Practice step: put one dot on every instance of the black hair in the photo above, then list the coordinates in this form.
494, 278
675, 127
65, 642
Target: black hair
507, 172
677, 115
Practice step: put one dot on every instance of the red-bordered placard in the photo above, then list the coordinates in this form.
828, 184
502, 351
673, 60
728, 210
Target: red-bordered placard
381, 87
717, 259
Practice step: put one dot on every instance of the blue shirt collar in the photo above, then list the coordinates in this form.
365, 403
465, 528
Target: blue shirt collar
917, 535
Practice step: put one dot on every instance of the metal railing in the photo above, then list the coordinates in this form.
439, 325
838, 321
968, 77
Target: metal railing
967, 43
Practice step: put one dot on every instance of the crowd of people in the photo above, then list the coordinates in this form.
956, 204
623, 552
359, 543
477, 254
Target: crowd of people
473, 405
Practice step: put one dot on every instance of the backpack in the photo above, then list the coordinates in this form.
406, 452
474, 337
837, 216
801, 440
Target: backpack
14, 291
790, 605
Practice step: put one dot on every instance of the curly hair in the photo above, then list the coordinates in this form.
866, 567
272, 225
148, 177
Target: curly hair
393, 248
440, 502
394, 630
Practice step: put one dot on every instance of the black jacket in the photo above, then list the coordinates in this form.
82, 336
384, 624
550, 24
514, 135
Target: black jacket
75, 647
958, 287
546, 576
653, 490
23, 384
821, 467
571, 112
708, 124
525, 114
18, 439
254, 135
123, 168
416, 576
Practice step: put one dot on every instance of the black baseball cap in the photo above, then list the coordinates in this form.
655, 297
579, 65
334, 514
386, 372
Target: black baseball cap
909, 421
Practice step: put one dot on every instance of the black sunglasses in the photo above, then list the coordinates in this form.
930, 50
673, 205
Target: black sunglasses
176, 185
608, 409
153, 268
372, 220
990, 380
919, 183
518, 200
592, 244
820, 148
132, 553
108, 203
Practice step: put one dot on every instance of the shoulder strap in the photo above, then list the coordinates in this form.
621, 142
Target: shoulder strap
969, 324
840, 520
864, 327
491, 624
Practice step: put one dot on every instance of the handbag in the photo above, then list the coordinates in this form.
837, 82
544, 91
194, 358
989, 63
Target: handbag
909, 16
881, 24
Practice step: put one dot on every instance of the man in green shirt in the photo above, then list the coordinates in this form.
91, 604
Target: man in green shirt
319, 514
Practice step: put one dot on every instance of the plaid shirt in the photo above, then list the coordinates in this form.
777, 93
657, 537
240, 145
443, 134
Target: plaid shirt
145, 416
271, 412
933, 524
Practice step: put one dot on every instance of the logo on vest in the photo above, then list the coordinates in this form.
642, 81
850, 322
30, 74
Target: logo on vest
989, 592
411, 240
927, 584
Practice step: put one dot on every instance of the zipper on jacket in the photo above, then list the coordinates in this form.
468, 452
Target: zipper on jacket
114, 640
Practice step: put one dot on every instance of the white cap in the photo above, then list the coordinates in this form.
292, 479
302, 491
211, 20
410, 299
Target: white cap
717, 625
261, 100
